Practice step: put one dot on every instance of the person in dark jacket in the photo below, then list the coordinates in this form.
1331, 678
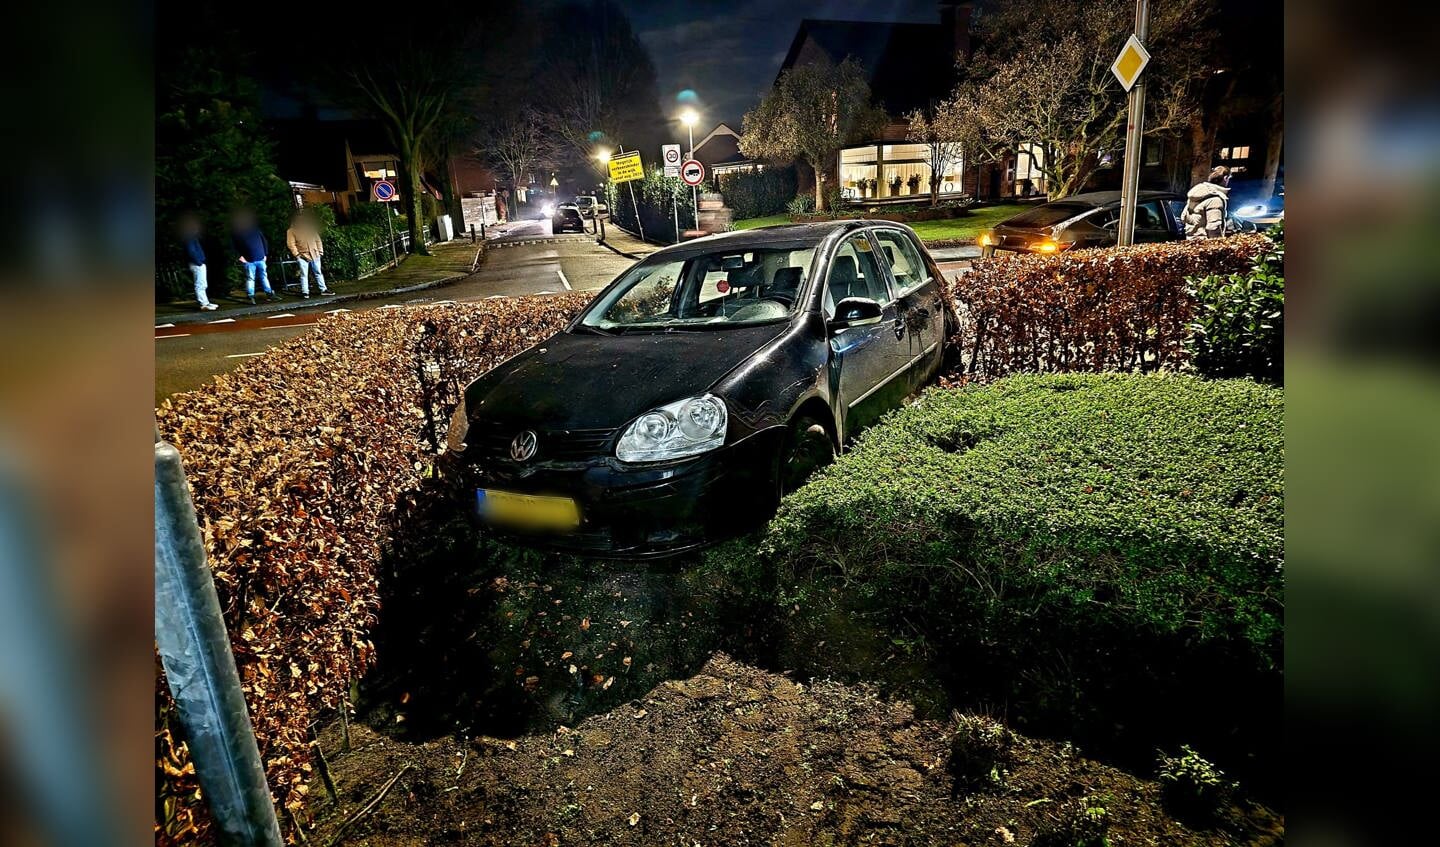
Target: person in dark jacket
251, 245
195, 258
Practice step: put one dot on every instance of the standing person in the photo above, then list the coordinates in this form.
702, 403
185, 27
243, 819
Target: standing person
251, 245
303, 239
1207, 206
195, 257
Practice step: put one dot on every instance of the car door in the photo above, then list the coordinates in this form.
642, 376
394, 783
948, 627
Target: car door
920, 318
866, 361
1152, 222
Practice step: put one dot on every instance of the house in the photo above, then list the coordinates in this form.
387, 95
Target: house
336, 162
720, 152
910, 66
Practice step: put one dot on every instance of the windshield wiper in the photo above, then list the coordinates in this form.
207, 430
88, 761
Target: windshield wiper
594, 330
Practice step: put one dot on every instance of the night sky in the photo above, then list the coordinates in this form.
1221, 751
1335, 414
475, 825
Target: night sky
728, 51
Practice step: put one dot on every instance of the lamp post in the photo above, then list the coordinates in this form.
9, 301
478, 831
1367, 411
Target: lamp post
688, 118
603, 156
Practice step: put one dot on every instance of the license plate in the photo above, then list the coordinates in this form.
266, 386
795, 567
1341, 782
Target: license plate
527, 511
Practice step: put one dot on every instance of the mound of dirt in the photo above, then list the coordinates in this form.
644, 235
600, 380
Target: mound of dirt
739, 756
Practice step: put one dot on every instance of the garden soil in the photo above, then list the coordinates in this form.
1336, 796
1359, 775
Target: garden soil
734, 756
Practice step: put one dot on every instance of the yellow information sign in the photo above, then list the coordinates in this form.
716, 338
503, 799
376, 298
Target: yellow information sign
1131, 62
626, 167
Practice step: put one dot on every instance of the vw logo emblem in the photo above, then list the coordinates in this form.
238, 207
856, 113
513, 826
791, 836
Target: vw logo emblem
523, 447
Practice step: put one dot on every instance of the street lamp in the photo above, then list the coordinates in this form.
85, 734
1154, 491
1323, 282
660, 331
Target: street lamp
688, 118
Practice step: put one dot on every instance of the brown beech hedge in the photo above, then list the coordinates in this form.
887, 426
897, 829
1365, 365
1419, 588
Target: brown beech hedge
1116, 309
295, 462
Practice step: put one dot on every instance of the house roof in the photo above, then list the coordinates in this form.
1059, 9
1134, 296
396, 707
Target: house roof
910, 65
314, 151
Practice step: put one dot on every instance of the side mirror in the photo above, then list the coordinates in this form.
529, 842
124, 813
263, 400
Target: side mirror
855, 311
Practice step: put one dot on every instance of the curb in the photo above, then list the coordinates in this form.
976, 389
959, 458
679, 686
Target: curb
284, 305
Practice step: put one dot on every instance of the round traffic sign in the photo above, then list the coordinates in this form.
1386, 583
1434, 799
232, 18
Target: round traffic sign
672, 155
692, 172
384, 190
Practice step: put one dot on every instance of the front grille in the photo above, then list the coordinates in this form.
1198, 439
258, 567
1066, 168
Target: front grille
492, 442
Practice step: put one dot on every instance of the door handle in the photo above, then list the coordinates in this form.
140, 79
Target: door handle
899, 325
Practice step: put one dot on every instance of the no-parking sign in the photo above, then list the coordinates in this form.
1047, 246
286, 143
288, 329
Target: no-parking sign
692, 172
383, 191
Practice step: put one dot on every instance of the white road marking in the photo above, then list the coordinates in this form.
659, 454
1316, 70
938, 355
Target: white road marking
288, 326
281, 315
336, 311
545, 291
177, 335
224, 321
563, 281
164, 326
392, 306
243, 355
495, 297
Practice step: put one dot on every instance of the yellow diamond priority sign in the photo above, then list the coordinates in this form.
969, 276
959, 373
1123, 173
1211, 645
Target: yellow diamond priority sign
1130, 63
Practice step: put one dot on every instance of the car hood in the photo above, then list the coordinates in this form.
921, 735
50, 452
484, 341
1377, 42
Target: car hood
581, 381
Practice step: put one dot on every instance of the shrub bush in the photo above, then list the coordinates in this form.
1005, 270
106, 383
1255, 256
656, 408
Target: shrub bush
754, 194
801, 204
1239, 326
1082, 822
1094, 550
1194, 788
979, 752
295, 462
1116, 309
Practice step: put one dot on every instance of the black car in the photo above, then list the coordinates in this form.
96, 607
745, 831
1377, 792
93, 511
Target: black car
700, 385
1085, 220
566, 217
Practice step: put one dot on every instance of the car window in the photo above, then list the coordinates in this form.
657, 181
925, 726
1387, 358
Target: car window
714, 289
854, 273
1150, 216
906, 266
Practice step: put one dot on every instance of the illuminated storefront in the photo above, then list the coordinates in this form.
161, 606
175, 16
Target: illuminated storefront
882, 171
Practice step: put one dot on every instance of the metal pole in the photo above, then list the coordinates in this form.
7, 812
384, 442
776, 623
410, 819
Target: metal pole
1134, 137
675, 209
694, 189
640, 225
195, 651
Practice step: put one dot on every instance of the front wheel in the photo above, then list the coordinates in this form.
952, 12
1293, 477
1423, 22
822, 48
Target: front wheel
807, 449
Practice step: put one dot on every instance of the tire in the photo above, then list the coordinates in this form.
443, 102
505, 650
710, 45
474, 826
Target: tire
807, 448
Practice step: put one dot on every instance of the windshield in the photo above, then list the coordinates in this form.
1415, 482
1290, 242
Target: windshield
1048, 214
720, 289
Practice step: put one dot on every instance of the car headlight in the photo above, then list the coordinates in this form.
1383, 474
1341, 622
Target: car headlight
683, 428
459, 428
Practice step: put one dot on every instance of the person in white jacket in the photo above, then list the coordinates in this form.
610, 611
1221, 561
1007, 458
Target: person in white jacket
1207, 206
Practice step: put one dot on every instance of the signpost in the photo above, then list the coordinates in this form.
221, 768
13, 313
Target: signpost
1128, 67
692, 172
383, 191
627, 167
670, 156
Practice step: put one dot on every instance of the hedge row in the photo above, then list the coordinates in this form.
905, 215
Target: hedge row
295, 462
1117, 309
1079, 547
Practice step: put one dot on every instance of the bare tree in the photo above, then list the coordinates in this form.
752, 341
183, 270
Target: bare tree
812, 112
1043, 79
519, 144
950, 132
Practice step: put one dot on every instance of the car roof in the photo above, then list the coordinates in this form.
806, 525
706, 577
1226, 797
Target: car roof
816, 231
1105, 198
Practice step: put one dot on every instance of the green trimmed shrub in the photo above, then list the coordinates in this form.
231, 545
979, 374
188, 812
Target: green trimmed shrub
755, 194
1093, 549
801, 204
1239, 325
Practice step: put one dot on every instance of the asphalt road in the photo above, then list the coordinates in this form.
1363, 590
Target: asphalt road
525, 259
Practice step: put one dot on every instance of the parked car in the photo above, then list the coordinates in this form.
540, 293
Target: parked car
590, 206
1084, 220
1092, 220
566, 217
700, 385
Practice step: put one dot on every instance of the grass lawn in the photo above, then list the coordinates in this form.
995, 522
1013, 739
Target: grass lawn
967, 228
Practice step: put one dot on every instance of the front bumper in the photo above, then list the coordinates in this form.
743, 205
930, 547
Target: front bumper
644, 511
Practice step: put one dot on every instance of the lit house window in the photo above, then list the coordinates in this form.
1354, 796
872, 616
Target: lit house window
1231, 154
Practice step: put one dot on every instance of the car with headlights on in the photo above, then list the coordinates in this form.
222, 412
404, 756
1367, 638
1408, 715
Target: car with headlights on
699, 386
1083, 220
